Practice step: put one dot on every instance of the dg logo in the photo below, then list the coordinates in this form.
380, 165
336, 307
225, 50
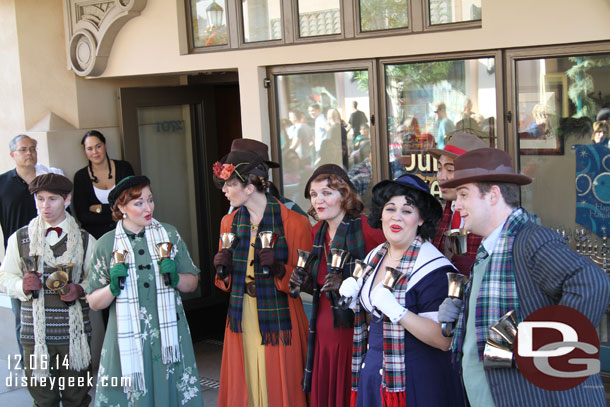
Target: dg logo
557, 348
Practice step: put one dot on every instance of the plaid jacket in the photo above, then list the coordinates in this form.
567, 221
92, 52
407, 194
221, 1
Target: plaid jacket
462, 263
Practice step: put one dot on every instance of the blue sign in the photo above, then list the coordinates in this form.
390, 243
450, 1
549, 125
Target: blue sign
593, 187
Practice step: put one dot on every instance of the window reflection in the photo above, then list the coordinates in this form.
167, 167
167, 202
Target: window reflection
383, 14
262, 20
319, 17
428, 102
323, 118
209, 19
453, 11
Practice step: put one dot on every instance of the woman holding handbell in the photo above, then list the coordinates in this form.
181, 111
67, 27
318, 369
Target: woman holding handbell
341, 226
266, 335
401, 357
138, 270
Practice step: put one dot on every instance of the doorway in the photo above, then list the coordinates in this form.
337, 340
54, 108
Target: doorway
174, 135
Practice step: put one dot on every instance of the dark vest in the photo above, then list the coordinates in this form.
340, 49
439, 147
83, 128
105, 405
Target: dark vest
56, 311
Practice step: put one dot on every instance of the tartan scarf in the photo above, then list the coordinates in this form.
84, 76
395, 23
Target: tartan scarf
129, 333
498, 293
393, 382
348, 237
272, 304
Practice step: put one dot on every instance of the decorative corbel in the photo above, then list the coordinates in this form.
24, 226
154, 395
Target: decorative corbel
92, 27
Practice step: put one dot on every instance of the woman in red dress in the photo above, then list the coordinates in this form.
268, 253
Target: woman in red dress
337, 207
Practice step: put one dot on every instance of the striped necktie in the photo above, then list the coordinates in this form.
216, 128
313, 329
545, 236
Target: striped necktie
481, 254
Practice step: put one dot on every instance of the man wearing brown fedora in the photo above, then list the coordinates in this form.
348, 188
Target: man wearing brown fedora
520, 267
459, 143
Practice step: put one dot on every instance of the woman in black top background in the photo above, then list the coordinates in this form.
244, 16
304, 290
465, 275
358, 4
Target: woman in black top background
93, 183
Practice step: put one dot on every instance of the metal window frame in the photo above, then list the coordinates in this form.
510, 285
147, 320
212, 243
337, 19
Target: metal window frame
230, 13
241, 28
458, 25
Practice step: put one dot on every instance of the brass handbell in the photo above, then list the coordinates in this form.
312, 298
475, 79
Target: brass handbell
361, 271
119, 257
303, 262
58, 281
267, 240
457, 282
227, 240
164, 251
457, 239
29, 264
496, 355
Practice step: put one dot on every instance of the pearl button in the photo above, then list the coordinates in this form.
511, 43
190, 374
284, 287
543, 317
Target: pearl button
146, 285
381, 372
141, 251
363, 364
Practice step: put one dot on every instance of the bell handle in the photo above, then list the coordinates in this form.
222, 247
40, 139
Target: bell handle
344, 302
167, 280
447, 329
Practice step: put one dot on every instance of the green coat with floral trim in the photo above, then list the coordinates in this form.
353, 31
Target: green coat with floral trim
167, 385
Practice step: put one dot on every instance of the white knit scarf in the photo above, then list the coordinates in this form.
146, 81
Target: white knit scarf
79, 353
128, 312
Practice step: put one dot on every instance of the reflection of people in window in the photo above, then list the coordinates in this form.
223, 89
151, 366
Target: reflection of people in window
301, 136
330, 148
600, 133
444, 125
542, 127
356, 119
319, 126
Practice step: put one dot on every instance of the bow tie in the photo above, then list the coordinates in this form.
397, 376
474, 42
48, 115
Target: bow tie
56, 229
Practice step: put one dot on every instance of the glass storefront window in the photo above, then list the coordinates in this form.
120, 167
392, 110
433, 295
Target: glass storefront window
453, 11
426, 102
262, 20
319, 17
562, 127
383, 15
323, 118
209, 19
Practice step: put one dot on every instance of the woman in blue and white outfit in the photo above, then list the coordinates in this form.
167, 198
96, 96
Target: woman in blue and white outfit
402, 356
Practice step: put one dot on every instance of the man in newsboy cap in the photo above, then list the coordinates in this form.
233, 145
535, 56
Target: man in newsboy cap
521, 267
56, 329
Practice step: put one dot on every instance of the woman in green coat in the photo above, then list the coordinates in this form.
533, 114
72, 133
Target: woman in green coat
147, 358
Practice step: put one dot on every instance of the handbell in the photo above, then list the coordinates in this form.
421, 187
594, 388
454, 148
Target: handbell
457, 239
338, 258
267, 240
506, 327
361, 271
164, 251
303, 262
497, 356
227, 240
30, 265
457, 282
58, 281
119, 257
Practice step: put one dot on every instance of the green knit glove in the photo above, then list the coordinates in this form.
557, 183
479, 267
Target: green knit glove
168, 266
117, 271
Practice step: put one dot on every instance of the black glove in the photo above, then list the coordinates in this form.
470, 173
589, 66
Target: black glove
297, 277
223, 258
266, 257
277, 269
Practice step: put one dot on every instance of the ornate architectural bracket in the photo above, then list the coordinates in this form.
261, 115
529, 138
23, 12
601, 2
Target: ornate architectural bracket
92, 27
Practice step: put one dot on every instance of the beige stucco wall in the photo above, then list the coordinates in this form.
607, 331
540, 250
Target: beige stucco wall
11, 102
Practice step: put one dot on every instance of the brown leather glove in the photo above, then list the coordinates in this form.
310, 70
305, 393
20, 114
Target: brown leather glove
278, 269
75, 291
223, 258
31, 282
266, 257
307, 286
332, 282
297, 277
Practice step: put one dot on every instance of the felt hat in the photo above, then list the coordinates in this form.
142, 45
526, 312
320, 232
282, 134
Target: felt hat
484, 165
124, 185
240, 163
247, 144
415, 183
55, 183
460, 143
328, 169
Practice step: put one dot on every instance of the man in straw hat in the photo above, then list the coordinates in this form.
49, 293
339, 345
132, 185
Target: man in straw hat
459, 143
520, 267
56, 329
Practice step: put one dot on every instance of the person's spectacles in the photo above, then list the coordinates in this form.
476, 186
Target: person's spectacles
24, 150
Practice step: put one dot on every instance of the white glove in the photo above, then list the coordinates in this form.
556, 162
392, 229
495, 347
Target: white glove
350, 288
384, 301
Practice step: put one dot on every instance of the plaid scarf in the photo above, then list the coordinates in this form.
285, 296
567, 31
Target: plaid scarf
498, 293
272, 304
393, 383
128, 310
348, 237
